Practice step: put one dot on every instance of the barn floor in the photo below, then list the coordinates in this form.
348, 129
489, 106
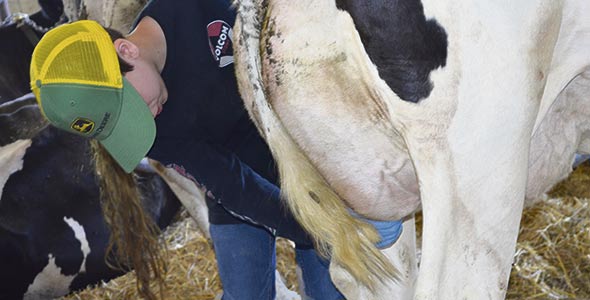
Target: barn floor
552, 260
192, 269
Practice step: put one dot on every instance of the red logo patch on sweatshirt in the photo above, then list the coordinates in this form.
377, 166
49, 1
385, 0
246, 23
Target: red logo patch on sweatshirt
220, 42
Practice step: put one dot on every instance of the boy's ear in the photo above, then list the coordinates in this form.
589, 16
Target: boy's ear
126, 49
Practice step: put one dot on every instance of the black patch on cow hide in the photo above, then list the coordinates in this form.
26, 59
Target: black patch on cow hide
403, 45
57, 181
15, 59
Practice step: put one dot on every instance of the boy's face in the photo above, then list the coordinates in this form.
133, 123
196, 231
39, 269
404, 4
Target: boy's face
149, 84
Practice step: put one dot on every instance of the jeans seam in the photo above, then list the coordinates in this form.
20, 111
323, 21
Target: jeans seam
272, 247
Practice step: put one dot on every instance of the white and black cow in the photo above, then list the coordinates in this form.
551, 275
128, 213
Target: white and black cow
53, 237
52, 233
464, 108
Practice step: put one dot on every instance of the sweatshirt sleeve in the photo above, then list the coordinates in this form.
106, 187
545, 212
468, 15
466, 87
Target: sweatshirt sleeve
234, 185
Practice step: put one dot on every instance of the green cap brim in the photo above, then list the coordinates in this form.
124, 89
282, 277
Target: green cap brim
135, 132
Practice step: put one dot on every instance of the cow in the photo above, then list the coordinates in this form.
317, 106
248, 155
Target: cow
53, 236
461, 108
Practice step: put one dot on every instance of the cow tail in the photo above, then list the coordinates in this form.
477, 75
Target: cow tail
348, 241
134, 240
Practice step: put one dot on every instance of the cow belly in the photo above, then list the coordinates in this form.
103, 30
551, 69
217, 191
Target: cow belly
370, 173
330, 99
564, 132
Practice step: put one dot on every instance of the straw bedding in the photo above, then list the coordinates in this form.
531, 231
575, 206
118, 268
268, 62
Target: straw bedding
552, 259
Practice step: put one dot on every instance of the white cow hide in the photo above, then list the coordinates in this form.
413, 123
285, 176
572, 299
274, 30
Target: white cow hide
11, 160
505, 95
50, 282
191, 197
116, 14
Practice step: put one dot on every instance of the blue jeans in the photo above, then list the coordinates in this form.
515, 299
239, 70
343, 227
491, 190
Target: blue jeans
246, 259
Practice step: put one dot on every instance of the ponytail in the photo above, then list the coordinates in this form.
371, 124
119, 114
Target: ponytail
134, 235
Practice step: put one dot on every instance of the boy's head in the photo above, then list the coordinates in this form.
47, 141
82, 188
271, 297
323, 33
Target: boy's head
76, 77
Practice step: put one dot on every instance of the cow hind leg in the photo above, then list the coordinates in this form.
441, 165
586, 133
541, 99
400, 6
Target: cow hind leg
563, 132
320, 211
470, 225
579, 89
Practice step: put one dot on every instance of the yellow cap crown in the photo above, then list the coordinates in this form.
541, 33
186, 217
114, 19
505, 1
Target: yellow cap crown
80, 52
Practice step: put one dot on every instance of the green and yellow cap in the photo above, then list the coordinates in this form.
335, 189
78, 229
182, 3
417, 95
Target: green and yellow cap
76, 78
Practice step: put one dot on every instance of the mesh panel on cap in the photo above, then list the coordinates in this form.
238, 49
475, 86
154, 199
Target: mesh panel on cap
78, 64
81, 52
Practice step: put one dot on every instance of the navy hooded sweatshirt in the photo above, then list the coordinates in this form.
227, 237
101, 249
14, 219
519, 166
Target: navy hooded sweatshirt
204, 131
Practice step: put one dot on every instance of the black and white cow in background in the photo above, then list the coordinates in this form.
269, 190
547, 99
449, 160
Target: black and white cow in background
53, 236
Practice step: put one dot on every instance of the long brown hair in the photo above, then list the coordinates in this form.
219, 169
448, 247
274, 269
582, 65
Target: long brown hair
134, 235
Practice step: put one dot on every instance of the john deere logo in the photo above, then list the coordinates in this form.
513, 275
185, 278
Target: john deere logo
83, 125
